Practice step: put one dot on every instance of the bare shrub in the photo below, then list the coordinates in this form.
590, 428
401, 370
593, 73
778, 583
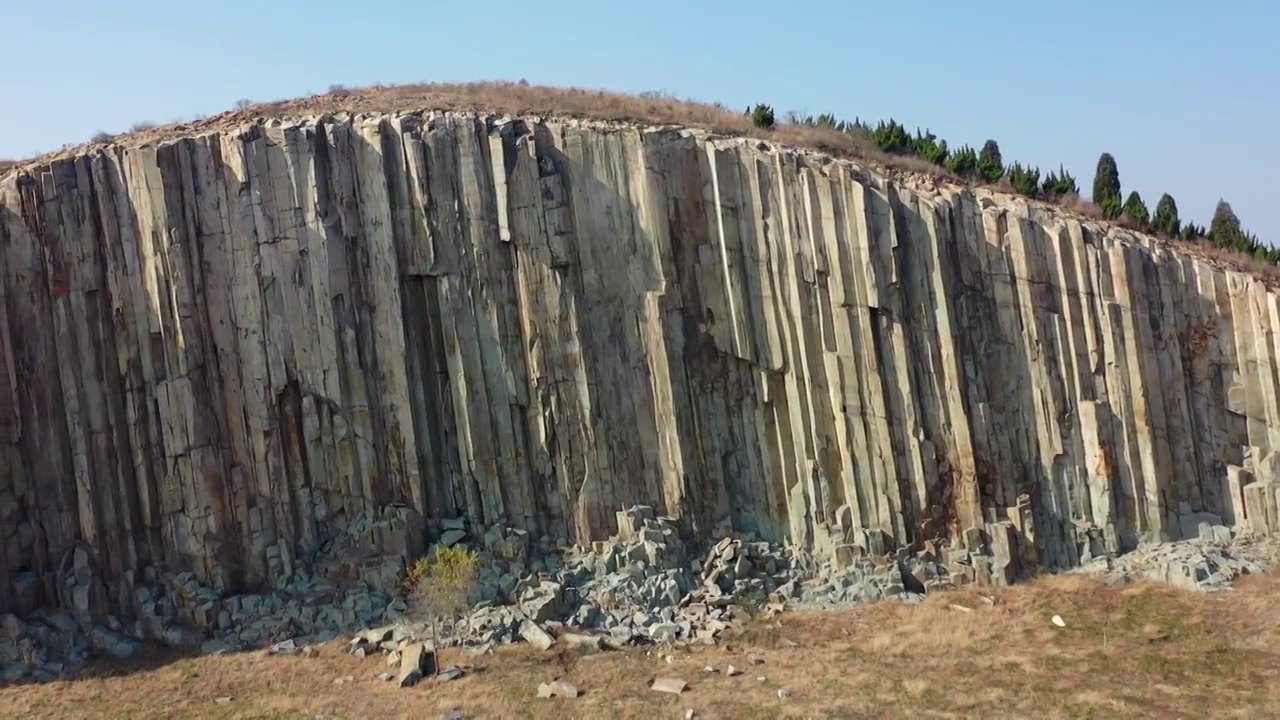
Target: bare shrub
243, 103
141, 126
439, 587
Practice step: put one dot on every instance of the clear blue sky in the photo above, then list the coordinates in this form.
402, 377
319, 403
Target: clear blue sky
1185, 94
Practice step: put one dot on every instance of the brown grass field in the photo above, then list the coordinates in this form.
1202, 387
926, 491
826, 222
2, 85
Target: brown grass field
1139, 652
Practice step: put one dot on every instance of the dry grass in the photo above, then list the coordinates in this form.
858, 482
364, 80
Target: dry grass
657, 109
1136, 653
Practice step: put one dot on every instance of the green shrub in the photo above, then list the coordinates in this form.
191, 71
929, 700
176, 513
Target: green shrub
929, 147
1060, 183
1111, 208
892, 138
963, 162
762, 116
1025, 180
1136, 210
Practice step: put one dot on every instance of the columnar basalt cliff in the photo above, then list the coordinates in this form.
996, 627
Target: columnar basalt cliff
216, 351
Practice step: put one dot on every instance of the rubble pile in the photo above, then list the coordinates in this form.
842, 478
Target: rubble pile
1208, 562
643, 586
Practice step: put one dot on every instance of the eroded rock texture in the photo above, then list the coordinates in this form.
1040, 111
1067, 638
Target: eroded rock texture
218, 351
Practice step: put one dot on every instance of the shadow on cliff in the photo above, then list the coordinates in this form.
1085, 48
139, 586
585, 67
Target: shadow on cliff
82, 409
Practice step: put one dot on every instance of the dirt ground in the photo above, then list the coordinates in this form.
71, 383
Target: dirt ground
1138, 652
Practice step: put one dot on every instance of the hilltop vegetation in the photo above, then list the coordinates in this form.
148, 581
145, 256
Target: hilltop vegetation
887, 143
987, 167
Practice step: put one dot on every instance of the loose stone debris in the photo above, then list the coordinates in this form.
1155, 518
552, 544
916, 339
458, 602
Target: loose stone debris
642, 587
1210, 562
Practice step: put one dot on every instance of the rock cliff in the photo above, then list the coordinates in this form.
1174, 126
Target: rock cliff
219, 352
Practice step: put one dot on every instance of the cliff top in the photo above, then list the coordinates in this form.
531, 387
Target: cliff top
839, 140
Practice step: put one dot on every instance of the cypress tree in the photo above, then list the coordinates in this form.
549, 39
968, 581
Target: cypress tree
1166, 220
1135, 209
990, 162
1106, 181
1224, 229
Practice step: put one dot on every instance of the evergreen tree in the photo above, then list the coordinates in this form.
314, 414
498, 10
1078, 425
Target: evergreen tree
1025, 180
891, 137
990, 162
1106, 181
929, 147
762, 116
1136, 210
827, 120
1111, 208
1224, 229
1166, 220
963, 162
1060, 183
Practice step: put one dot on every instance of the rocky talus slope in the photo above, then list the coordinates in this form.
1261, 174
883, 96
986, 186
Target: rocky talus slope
309, 348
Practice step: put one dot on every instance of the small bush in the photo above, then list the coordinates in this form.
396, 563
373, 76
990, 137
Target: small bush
139, 127
827, 120
243, 103
102, 137
439, 585
892, 138
1025, 180
762, 116
1111, 208
963, 162
930, 148
1136, 210
1060, 184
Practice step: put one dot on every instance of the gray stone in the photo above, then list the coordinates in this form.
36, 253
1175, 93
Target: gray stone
416, 661
536, 636
452, 537
594, 642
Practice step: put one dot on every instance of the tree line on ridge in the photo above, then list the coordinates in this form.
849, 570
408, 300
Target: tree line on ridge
987, 166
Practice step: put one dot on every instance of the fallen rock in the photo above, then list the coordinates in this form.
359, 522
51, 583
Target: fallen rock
594, 642
535, 635
453, 672
732, 671
674, 686
558, 688
416, 661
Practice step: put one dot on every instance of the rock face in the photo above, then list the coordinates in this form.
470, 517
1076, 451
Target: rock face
219, 353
